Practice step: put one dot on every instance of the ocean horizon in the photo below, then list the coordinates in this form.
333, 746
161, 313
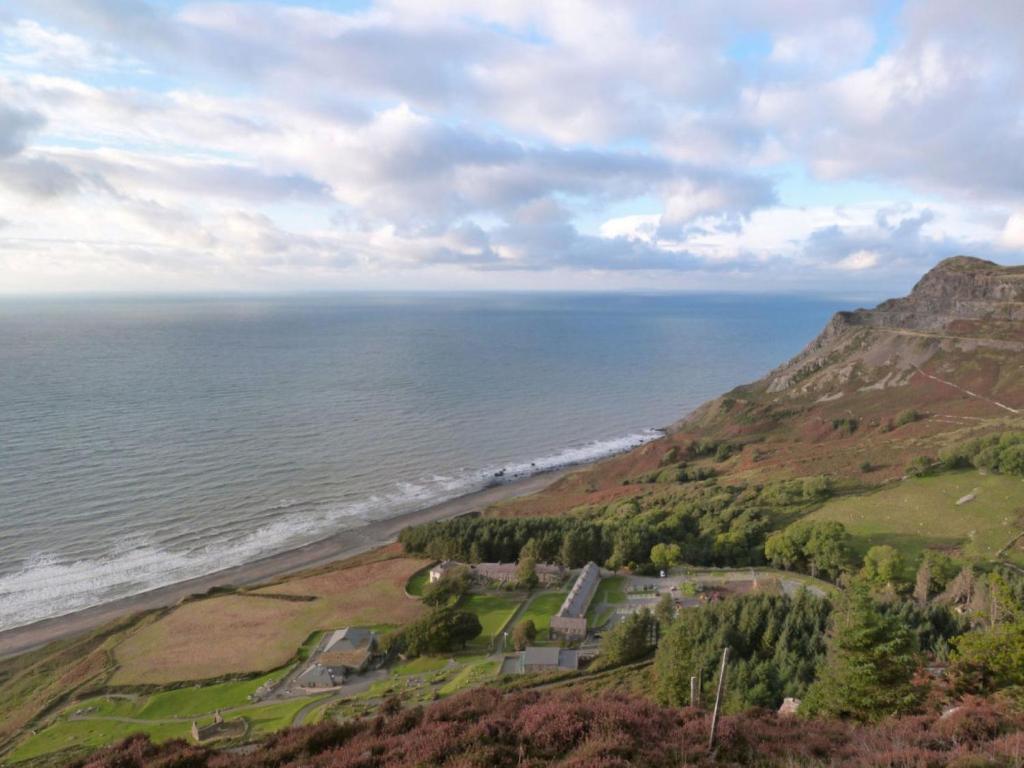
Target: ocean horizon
145, 441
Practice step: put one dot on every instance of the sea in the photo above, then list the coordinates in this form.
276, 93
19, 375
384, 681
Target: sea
145, 441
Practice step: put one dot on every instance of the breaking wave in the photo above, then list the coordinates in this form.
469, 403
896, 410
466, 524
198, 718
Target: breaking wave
47, 585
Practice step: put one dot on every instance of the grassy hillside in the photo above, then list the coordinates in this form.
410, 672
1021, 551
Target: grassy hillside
922, 512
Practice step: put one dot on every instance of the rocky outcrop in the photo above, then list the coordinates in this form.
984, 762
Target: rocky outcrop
961, 301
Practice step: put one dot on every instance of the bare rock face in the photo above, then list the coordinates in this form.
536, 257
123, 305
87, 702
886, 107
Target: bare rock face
962, 304
959, 288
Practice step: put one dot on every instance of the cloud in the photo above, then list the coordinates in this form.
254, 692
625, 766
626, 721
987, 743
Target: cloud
823, 142
858, 260
15, 127
1013, 232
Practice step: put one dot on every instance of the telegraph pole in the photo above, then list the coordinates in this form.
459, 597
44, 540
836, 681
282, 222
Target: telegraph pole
718, 698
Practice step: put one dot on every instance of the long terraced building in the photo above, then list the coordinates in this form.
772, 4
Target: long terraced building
571, 620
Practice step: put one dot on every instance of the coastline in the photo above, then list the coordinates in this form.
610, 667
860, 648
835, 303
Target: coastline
336, 547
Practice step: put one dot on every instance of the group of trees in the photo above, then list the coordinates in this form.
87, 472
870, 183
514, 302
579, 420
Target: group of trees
870, 664
1003, 453
776, 644
448, 589
441, 631
632, 638
821, 548
991, 658
708, 524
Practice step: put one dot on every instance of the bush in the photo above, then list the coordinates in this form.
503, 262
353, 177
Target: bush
846, 425
907, 417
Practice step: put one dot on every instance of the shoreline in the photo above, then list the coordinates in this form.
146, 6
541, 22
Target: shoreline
336, 547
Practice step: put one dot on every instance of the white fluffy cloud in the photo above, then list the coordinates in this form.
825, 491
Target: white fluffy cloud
234, 144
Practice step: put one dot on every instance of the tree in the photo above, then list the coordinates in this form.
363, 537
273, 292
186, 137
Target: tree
822, 547
448, 589
525, 632
991, 659
575, 548
783, 551
776, 644
526, 571
923, 582
665, 611
441, 631
665, 556
871, 661
882, 565
828, 549
629, 640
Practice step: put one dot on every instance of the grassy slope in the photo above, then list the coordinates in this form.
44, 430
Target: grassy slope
919, 513
492, 611
541, 609
255, 632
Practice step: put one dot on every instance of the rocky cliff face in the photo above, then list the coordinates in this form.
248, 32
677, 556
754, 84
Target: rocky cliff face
960, 288
962, 307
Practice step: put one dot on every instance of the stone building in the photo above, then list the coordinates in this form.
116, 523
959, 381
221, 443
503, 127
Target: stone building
548, 574
571, 620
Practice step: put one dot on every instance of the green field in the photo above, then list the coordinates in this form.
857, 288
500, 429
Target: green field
418, 582
472, 674
90, 734
611, 591
541, 609
921, 513
420, 665
492, 610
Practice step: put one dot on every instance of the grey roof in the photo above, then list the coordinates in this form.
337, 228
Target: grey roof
348, 639
317, 676
582, 592
561, 658
536, 654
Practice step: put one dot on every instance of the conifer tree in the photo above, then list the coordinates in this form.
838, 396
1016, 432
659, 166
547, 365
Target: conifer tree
871, 660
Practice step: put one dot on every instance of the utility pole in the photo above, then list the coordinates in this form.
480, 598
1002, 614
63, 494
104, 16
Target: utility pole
694, 691
718, 698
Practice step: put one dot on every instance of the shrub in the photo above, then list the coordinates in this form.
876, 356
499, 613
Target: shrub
846, 425
907, 417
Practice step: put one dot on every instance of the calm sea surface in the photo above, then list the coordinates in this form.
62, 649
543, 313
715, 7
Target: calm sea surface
143, 442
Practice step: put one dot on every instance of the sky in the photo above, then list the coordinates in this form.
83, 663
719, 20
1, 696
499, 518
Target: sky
836, 147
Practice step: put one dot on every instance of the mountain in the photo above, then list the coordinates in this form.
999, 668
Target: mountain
885, 385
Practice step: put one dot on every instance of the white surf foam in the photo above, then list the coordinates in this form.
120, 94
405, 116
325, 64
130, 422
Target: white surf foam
48, 586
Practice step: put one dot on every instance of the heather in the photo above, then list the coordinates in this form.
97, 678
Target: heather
485, 728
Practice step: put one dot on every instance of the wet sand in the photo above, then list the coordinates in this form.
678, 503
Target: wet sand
331, 549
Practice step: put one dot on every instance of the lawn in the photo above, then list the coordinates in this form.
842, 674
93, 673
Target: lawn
492, 610
265, 719
418, 582
475, 673
421, 665
90, 733
261, 631
82, 734
611, 591
920, 513
541, 609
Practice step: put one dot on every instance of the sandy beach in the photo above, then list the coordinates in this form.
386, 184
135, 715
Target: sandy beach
331, 549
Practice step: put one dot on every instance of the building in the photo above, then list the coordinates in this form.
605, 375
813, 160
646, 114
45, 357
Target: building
506, 573
440, 570
571, 620
542, 659
348, 651
548, 574
316, 675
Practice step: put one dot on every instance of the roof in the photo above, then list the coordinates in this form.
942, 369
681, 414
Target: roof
579, 597
348, 639
316, 675
556, 658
